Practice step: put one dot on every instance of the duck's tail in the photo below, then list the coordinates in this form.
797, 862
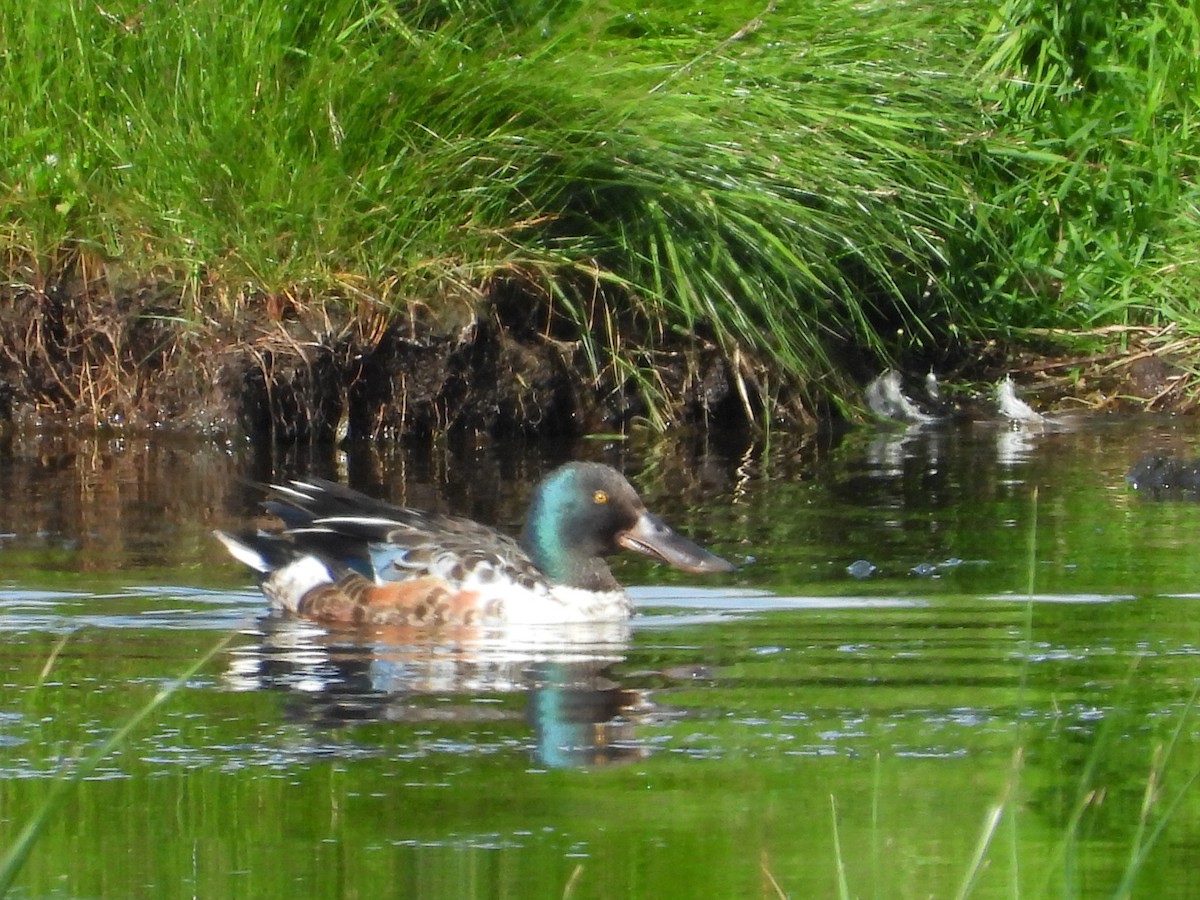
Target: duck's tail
289, 573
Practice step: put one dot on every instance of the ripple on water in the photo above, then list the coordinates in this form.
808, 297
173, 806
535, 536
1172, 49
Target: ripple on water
133, 608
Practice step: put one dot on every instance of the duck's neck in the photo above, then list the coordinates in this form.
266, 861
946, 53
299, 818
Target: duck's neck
564, 564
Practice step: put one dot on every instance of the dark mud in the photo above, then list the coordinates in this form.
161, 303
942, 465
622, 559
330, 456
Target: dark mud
84, 350
79, 353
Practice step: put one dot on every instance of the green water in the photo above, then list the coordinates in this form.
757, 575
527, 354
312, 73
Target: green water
772, 733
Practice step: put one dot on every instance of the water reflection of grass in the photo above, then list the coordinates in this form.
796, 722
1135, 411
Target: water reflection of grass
1103, 774
1104, 770
18, 850
1040, 836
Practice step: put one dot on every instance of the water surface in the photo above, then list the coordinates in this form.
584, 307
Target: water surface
940, 647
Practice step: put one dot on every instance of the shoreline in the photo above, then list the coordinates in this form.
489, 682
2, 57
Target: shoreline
87, 355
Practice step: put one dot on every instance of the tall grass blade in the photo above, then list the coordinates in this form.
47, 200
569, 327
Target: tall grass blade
1142, 842
978, 858
843, 884
18, 851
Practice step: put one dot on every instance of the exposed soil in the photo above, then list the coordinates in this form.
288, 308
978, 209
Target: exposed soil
79, 351
83, 350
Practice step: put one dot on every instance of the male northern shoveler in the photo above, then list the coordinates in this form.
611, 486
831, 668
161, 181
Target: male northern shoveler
345, 557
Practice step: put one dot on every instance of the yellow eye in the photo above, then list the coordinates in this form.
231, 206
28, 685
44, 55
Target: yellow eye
599, 497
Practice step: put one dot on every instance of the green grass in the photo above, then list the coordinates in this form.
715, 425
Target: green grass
814, 189
1094, 159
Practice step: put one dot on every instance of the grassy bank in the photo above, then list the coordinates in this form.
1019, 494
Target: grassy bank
807, 192
1092, 181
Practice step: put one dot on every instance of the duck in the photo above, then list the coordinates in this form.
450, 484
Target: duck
344, 558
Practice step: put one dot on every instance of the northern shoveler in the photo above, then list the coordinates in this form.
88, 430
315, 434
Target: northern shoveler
343, 557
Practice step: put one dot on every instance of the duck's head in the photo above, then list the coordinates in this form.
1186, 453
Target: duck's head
582, 512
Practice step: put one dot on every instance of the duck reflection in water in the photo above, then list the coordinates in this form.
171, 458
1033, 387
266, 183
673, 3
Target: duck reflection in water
578, 713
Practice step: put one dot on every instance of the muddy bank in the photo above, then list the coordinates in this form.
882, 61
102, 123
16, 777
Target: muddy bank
84, 350
80, 352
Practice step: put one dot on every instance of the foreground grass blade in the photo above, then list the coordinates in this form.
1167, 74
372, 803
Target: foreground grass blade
18, 851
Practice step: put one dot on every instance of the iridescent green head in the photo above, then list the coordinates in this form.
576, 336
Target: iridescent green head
582, 512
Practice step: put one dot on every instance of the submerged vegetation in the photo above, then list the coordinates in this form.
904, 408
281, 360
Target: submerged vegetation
362, 211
